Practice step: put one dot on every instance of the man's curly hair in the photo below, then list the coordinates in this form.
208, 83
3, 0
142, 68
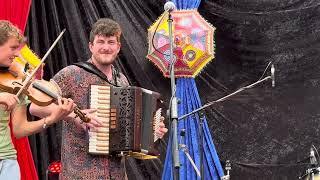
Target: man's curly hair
105, 27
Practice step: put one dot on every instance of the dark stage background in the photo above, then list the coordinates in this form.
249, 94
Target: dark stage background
263, 131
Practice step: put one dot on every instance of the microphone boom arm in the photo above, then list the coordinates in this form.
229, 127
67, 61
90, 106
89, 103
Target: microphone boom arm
225, 97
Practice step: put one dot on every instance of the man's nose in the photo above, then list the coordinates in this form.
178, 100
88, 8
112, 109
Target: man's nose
16, 53
106, 46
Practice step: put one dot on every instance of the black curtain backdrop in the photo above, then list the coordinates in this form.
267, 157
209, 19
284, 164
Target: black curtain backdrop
265, 132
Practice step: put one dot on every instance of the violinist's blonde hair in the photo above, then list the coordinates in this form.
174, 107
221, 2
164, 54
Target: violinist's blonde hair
7, 30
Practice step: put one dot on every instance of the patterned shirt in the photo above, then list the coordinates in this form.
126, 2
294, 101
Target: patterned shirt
76, 162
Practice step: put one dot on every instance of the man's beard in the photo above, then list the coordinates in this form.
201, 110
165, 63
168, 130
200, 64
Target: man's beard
103, 62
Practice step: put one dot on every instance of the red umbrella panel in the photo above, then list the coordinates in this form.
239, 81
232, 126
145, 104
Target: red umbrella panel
192, 39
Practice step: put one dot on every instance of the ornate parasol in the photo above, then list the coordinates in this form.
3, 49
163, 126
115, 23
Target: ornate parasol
193, 49
193, 43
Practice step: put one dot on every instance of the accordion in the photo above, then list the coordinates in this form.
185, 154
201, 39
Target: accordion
130, 116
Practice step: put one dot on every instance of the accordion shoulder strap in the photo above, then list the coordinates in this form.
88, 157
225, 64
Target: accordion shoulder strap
94, 70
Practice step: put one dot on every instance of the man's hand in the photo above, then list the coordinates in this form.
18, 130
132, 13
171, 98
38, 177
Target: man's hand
162, 130
8, 100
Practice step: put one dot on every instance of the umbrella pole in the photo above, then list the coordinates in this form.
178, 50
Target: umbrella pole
174, 108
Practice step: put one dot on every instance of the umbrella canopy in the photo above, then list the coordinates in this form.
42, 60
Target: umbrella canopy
193, 43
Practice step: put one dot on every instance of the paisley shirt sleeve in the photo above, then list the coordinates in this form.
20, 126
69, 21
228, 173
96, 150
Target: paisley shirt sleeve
64, 79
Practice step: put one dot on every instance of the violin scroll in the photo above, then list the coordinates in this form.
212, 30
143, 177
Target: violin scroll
81, 115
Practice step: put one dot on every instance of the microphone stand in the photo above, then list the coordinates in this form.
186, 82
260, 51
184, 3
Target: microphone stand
184, 148
201, 149
201, 129
174, 108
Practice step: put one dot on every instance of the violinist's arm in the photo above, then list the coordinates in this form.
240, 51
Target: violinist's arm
43, 111
22, 127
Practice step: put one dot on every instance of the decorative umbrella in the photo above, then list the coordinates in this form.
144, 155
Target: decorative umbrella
193, 49
193, 43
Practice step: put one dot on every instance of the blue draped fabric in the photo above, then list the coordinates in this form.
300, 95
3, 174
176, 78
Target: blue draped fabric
188, 94
187, 4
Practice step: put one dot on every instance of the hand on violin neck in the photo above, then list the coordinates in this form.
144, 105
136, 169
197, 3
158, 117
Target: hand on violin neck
62, 110
8, 101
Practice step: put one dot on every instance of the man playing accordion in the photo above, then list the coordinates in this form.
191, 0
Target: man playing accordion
74, 82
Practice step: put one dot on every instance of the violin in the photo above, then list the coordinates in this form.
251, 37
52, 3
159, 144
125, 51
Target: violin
43, 86
11, 81
40, 92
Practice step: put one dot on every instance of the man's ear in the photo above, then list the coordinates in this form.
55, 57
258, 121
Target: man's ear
90, 45
119, 44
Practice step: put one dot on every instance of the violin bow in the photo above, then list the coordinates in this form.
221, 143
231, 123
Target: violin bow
27, 80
